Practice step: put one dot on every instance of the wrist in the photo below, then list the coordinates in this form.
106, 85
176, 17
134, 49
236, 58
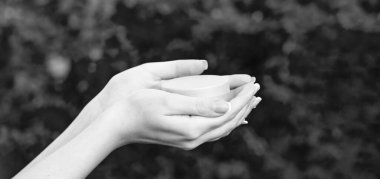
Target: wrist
119, 134
103, 131
91, 111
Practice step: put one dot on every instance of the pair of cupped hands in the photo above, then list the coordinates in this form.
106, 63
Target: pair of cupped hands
134, 108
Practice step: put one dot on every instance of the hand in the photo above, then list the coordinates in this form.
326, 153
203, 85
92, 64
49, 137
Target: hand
146, 76
147, 115
136, 110
159, 117
150, 76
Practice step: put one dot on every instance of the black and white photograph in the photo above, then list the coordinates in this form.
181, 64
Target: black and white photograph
190, 89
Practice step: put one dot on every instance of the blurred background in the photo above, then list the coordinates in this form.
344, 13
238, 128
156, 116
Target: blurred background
318, 63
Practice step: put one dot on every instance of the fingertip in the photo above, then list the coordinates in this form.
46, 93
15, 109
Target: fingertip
243, 97
238, 80
247, 91
244, 78
220, 106
253, 87
256, 102
257, 86
259, 100
204, 64
227, 107
253, 100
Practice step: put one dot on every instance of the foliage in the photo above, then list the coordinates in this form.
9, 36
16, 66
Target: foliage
317, 61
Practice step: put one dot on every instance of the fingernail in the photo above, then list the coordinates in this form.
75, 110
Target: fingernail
205, 64
253, 79
257, 86
257, 101
220, 106
245, 122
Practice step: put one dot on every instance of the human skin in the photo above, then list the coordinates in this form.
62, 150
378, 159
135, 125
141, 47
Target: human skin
146, 76
133, 109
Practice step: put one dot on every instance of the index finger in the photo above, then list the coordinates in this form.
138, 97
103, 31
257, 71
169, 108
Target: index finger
174, 69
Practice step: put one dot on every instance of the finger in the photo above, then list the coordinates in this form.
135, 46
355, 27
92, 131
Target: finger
205, 107
174, 69
252, 106
243, 98
237, 90
225, 129
247, 111
256, 102
253, 103
237, 104
239, 80
200, 137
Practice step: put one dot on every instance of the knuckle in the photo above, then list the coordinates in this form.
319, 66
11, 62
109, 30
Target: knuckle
200, 107
192, 135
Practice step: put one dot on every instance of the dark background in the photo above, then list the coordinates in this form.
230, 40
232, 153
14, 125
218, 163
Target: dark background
317, 62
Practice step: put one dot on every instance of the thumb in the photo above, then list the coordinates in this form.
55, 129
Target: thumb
205, 107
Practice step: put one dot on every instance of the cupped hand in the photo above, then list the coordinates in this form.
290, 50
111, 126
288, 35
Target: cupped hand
122, 85
151, 76
158, 117
150, 111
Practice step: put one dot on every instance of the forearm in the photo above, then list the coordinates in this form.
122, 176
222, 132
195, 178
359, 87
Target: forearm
78, 157
80, 123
